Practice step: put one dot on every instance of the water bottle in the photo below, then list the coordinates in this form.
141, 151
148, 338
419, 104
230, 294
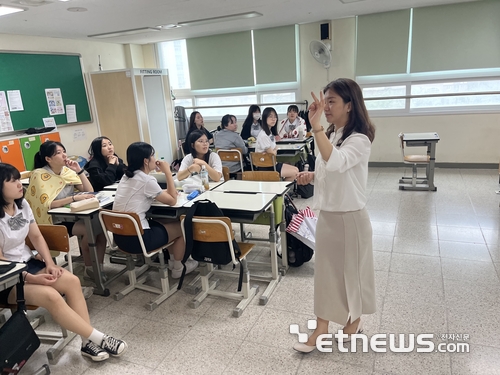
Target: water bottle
306, 167
204, 178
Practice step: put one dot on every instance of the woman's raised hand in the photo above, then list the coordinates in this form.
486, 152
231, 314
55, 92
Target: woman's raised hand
304, 178
163, 166
112, 159
73, 165
316, 110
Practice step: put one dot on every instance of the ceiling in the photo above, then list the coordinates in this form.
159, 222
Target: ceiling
52, 18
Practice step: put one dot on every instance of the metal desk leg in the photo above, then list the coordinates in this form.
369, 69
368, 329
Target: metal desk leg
273, 283
431, 150
89, 227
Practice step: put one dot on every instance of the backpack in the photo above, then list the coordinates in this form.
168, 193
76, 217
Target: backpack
297, 251
306, 191
209, 252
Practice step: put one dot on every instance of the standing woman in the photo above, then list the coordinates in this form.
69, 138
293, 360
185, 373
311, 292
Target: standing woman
104, 167
52, 185
252, 124
266, 143
227, 138
196, 123
200, 156
344, 282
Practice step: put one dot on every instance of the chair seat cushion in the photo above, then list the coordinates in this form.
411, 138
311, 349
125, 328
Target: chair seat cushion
417, 158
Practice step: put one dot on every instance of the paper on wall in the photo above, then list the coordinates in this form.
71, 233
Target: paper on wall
49, 122
3, 102
71, 113
15, 101
54, 101
5, 122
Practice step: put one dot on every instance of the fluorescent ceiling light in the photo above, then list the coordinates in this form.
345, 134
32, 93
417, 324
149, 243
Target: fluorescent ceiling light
4, 10
125, 32
230, 17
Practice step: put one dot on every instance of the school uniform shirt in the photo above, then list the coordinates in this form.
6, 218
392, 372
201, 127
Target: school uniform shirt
286, 128
226, 140
136, 194
340, 182
214, 162
13, 232
255, 130
264, 142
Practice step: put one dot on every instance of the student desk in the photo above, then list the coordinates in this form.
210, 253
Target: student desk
428, 140
279, 188
11, 277
246, 208
93, 227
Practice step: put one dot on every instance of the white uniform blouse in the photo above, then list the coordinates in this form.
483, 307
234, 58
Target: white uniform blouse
340, 183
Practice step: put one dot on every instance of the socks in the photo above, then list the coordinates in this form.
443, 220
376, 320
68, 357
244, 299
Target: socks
96, 337
177, 264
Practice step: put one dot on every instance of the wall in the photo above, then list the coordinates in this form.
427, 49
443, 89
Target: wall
465, 138
113, 56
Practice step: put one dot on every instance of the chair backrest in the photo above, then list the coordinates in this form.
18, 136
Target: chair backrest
402, 145
260, 159
261, 176
26, 174
232, 155
212, 229
225, 173
56, 236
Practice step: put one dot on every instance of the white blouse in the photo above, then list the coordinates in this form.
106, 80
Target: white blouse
13, 233
340, 182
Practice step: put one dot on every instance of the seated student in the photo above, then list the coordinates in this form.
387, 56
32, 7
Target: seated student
252, 124
200, 155
52, 185
45, 282
196, 123
104, 167
227, 138
290, 127
265, 143
136, 192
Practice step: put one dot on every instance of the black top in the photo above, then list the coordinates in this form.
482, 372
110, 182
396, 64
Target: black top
185, 145
103, 174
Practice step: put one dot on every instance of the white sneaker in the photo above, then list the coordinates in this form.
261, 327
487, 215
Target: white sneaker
87, 291
191, 265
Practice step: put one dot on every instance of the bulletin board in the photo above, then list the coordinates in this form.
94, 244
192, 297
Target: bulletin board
32, 74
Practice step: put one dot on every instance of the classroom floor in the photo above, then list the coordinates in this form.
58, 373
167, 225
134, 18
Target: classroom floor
437, 262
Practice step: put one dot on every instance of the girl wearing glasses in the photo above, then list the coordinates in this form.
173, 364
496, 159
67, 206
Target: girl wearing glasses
200, 156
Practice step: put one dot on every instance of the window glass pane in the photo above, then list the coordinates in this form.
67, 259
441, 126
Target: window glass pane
173, 56
280, 97
183, 102
380, 92
453, 88
241, 112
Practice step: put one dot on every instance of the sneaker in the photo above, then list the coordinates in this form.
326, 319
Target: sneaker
88, 274
94, 352
191, 265
113, 346
87, 291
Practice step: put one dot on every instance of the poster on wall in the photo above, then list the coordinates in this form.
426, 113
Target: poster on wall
71, 113
15, 100
5, 122
55, 101
3, 102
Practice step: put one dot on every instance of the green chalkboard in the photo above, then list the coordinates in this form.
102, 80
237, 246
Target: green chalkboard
32, 73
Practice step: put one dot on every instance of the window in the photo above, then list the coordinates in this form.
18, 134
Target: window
245, 100
173, 56
278, 98
381, 92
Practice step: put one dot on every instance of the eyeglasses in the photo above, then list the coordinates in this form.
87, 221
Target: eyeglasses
202, 141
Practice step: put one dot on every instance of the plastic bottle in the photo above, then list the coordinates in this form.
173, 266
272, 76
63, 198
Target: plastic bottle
306, 167
204, 178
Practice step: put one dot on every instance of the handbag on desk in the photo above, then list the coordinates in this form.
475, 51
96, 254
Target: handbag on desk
20, 336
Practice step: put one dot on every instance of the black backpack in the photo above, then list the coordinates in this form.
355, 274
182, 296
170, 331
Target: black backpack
306, 191
297, 251
209, 252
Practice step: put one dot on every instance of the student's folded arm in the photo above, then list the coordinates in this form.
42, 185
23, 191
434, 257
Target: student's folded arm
165, 198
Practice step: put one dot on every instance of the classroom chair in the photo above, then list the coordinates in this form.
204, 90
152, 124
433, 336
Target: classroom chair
262, 160
413, 160
218, 229
225, 173
231, 155
129, 224
57, 239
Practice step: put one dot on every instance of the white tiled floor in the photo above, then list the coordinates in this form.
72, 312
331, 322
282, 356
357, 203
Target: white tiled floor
437, 261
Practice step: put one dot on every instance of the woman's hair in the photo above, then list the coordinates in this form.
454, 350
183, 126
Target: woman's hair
225, 121
8, 173
292, 108
95, 150
245, 129
47, 149
267, 112
193, 137
192, 125
136, 153
358, 121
